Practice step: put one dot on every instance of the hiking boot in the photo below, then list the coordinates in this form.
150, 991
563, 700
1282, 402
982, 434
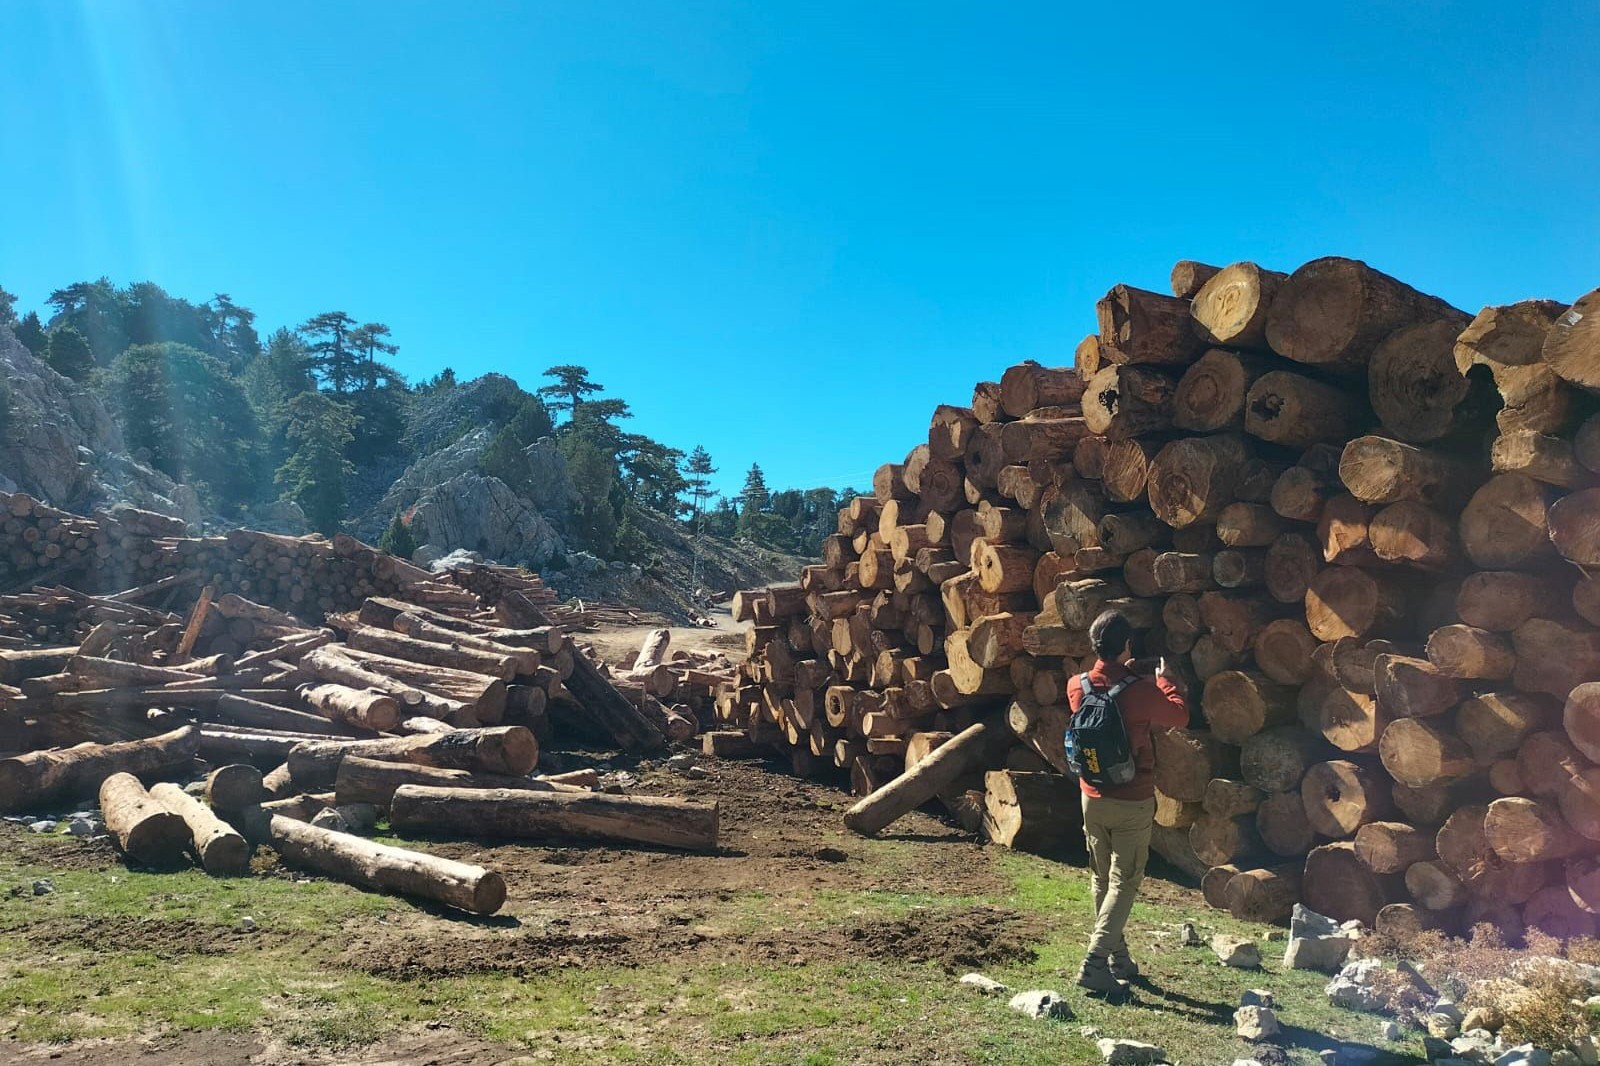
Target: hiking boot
1122, 966
1095, 976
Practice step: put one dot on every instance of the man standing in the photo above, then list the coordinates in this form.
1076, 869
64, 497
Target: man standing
1117, 821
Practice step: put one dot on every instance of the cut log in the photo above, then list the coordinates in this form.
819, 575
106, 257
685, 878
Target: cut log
521, 814
1412, 534
362, 780
1281, 820
1296, 411
1572, 347
1214, 885
399, 646
1148, 327
1226, 798
1392, 847
1189, 277
1552, 911
1422, 751
1292, 563
234, 787
1504, 525
1501, 600
1554, 657
1238, 704
1211, 394
364, 708
41, 777
1264, 895
1033, 812
1248, 525
145, 830
1332, 312
1232, 307
1175, 814
1546, 761
1276, 760
1464, 847
1123, 401
1408, 687
1234, 618
222, 851
385, 868
1187, 760
1346, 601
1239, 568
1125, 471
1579, 796
1383, 471
1191, 480
1282, 649
508, 749
1221, 841
1414, 385
1028, 386
1529, 830
1468, 652
1342, 796
1435, 886
1581, 719
1350, 721
1583, 882
1541, 457
1574, 527
1336, 883
927, 779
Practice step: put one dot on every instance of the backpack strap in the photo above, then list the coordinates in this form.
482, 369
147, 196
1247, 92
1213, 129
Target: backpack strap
1084, 686
1116, 690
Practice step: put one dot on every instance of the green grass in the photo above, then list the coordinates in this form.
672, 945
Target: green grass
293, 984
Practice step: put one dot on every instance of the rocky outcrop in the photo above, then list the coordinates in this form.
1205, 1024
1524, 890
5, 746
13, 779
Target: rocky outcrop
482, 514
551, 491
428, 471
59, 443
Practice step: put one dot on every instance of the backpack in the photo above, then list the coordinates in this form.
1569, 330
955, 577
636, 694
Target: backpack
1098, 750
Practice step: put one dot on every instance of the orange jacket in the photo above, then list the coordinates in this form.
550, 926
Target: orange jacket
1147, 704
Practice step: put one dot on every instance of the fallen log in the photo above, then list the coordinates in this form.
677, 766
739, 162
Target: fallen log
144, 829
921, 783
521, 814
388, 869
40, 777
509, 749
221, 849
364, 780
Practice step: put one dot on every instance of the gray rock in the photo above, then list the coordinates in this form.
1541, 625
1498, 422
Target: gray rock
678, 763
1246, 1062
484, 515
988, 986
1088, 1032
1189, 936
1488, 1018
1476, 1046
1129, 1052
330, 818
1315, 942
697, 772
1329, 1056
1523, 1055
1566, 969
81, 827
43, 887
247, 924
1448, 1008
1041, 1003
1256, 1023
1565, 1057
1236, 951
1353, 987
359, 817
1256, 997
1390, 1032
1443, 1026
43, 825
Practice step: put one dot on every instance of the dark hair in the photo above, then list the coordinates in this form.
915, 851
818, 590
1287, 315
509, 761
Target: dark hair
1110, 633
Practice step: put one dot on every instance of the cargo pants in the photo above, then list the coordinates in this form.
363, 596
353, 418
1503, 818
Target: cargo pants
1118, 833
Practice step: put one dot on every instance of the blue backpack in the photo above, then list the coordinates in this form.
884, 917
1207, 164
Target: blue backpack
1097, 738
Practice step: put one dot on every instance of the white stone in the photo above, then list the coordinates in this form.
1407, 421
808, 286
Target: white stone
1236, 951
1256, 1023
42, 826
1256, 997
1352, 988
1443, 1026
1524, 1055
1129, 1052
1315, 942
987, 985
330, 818
1041, 1003
247, 924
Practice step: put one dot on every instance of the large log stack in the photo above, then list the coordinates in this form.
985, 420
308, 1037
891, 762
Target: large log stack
1356, 521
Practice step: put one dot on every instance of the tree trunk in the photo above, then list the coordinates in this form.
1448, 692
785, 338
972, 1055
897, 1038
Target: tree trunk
1189, 277
386, 868
626, 724
1148, 327
1125, 470
1276, 760
1211, 394
1382, 471
221, 849
1467, 652
364, 708
145, 830
1340, 797
39, 778
1191, 480
1504, 524
1463, 846
1122, 401
1572, 347
1225, 840
1501, 600
1350, 721
927, 779
1239, 704
1421, 751
1232, 307
362, 780
1554, 657
234, 787
1347, 601
1392, 847
1034, 812
1414, 385
1579, 796
1187, 760
523, 814
1028, 386
1541, 457
1408, 687
1336, 884
396, 645
1267, 895
1295, 411
1435, 886
1282, 650
1292, 563
1332, 312
501, 749
1281, 820
1575, 527
1412, 534
1214, 885
1528, 830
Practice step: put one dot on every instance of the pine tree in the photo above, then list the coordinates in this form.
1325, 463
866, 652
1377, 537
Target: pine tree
68, 353
328, 339
30, 331
8, 308
697, 480
398, 538
755, 494
594, 476
572, 385
314, 476
505, 459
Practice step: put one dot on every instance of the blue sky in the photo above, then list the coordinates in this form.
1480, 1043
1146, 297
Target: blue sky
785, 231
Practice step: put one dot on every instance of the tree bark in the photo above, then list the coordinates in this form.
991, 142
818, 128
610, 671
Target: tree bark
1554, 657
1332, 312
362, 780
1189, 277
1295, 411
1122, 401
1414, 385
1191, 480
1422, 751
1501, 600
501, 749
1034, 812
388, 869
927, 779
364, 708
1148, 327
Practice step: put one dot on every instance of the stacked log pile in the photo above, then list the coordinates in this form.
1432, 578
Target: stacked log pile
1357, 523
429, 703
